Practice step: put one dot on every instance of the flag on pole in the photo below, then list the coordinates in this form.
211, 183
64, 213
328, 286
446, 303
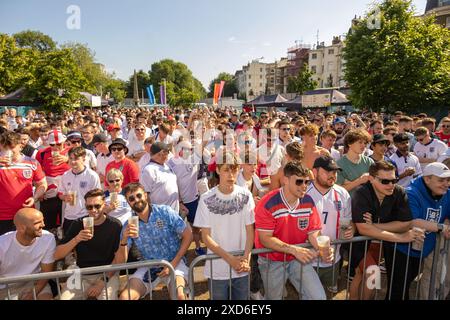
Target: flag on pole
151, 95
216, 93
162, 93
222, 85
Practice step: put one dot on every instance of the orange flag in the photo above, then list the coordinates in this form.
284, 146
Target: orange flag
216, 93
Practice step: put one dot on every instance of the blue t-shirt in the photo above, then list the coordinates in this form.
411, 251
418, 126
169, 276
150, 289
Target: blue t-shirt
160, 237
423, 206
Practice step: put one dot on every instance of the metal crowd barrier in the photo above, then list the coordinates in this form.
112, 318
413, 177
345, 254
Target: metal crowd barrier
58, 275
439, 256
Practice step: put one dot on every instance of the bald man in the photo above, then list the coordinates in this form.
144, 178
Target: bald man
28, 250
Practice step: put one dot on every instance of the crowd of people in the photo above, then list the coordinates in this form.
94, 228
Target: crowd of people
157, 182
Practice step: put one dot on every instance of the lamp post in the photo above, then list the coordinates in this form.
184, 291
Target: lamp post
165, 91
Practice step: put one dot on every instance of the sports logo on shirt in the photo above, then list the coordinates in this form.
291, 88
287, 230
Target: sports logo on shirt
433, 215
27, 173
303, 223
159, 223
338, 205
432, 149
83, 184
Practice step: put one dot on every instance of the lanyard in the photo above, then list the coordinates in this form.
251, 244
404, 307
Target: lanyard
336, 203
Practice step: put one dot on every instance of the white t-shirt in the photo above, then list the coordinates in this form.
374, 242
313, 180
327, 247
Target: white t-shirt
243, 183
19, 260
102, 162
123, 211
226, 216
161, 184
91, 160
433, 150
186, 173
337, 199
143, 161
273, 158
406, 162
135, 146
80, 183
335, 154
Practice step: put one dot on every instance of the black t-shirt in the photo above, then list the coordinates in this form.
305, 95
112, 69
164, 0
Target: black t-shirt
393, 208
28, 150
101, 248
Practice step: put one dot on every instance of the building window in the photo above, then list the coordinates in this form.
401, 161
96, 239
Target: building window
330, 51
260, 76
249, 76
249, 84
314, 69
314, 56
261, 70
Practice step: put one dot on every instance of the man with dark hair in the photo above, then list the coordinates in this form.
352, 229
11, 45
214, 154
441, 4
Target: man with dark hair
93, 249
427, 149
279, 229
156, 222
380, 210
407, 163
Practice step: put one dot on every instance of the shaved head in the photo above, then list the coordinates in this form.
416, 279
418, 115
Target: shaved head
26, 216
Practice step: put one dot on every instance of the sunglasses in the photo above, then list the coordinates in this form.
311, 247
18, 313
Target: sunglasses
116, 149
264, 117
75, 141
286, 129
114, 181
300, 182
387, 181
56, 144
134, 198
96, 206
139, 129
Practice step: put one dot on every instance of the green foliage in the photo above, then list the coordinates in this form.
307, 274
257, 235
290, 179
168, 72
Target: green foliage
230, 87
57, 81
404, 65
302, 82
34, 40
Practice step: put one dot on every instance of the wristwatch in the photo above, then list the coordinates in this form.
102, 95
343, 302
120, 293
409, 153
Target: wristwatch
440, 227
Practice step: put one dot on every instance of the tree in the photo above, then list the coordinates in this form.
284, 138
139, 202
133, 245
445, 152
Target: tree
16, 65
57, 81
230, 87
143, 80
302, 82
402, 65
34, 40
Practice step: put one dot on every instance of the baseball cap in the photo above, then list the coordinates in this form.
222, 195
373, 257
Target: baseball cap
72, 135
119, 141
377, 138
56, 136
436, 169
327, 163
339, 120
100, 137
158, 147
113, 126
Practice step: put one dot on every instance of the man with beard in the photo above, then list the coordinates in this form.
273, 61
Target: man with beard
97, 249
407, 163
333, 203
339, 125
405, 125
156, 222
284, 218
29, 250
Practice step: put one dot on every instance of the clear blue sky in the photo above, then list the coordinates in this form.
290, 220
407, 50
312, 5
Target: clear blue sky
209, 36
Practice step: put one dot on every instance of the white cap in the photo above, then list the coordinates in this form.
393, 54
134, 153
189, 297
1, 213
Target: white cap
56, 136
436, 169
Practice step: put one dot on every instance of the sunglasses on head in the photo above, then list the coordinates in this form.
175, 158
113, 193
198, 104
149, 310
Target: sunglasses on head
134, 198
96, 206
387, 181
114, 181
300, 182
116, 149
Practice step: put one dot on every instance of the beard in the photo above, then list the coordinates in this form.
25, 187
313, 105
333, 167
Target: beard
139, 206
339, 130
